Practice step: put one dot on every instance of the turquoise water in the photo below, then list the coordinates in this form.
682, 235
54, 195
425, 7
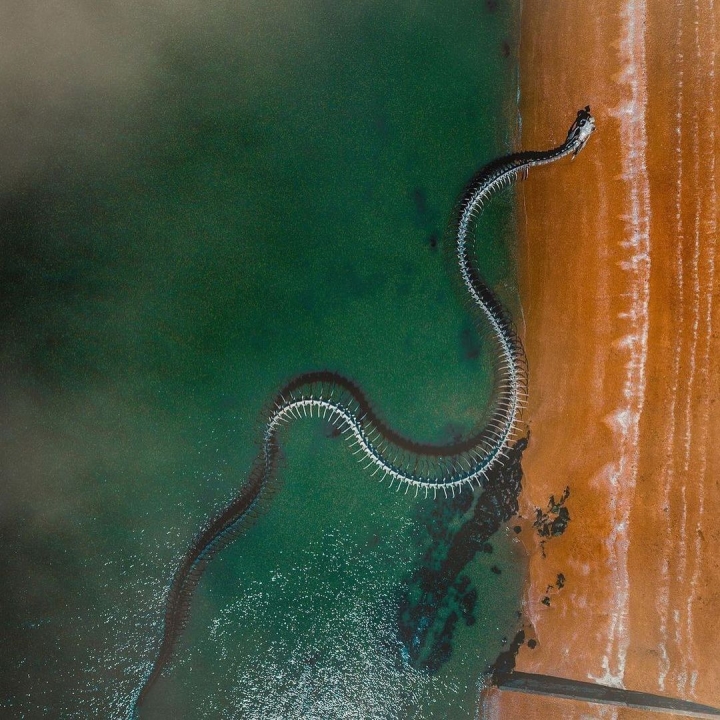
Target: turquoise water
275, 203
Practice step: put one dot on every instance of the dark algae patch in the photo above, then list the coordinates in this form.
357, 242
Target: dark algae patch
504, 665
470, 342
439, 595
552, 522
555, 519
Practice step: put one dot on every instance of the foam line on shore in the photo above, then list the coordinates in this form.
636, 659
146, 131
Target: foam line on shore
707, 299
667, 471
681, 675
625, 420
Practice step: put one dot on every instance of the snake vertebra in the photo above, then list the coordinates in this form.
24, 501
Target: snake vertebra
427, 468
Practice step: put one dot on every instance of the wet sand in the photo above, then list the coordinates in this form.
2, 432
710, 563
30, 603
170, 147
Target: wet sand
620, 290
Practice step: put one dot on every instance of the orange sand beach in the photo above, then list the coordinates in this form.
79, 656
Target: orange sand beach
620, 290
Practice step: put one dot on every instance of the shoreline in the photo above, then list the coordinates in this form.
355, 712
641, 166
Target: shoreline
618, 283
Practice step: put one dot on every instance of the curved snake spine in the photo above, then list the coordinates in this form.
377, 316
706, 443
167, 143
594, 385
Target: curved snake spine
426, 468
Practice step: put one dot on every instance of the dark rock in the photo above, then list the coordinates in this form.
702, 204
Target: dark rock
505, 662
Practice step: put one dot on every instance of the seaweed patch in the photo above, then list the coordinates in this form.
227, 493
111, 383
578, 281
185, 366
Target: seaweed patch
440, 595
554, 521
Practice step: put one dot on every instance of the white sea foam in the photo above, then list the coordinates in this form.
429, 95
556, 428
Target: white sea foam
625, 420
489, 707
667, 471
708, 292
682, 547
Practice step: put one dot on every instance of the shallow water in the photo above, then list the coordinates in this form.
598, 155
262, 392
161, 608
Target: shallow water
275, 202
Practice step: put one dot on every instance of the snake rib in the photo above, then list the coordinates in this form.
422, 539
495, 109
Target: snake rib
394, 458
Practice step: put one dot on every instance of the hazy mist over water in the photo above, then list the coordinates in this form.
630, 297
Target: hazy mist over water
197, 202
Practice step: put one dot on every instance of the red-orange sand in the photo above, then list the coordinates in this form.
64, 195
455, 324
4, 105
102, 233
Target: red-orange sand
621, 294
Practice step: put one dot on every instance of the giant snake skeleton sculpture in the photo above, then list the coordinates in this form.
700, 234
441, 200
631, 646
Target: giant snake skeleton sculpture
389, 456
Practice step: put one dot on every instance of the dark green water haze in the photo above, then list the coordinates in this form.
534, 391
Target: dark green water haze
269, 196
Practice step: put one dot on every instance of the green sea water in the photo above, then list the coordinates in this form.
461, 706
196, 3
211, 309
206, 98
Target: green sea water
276, 202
